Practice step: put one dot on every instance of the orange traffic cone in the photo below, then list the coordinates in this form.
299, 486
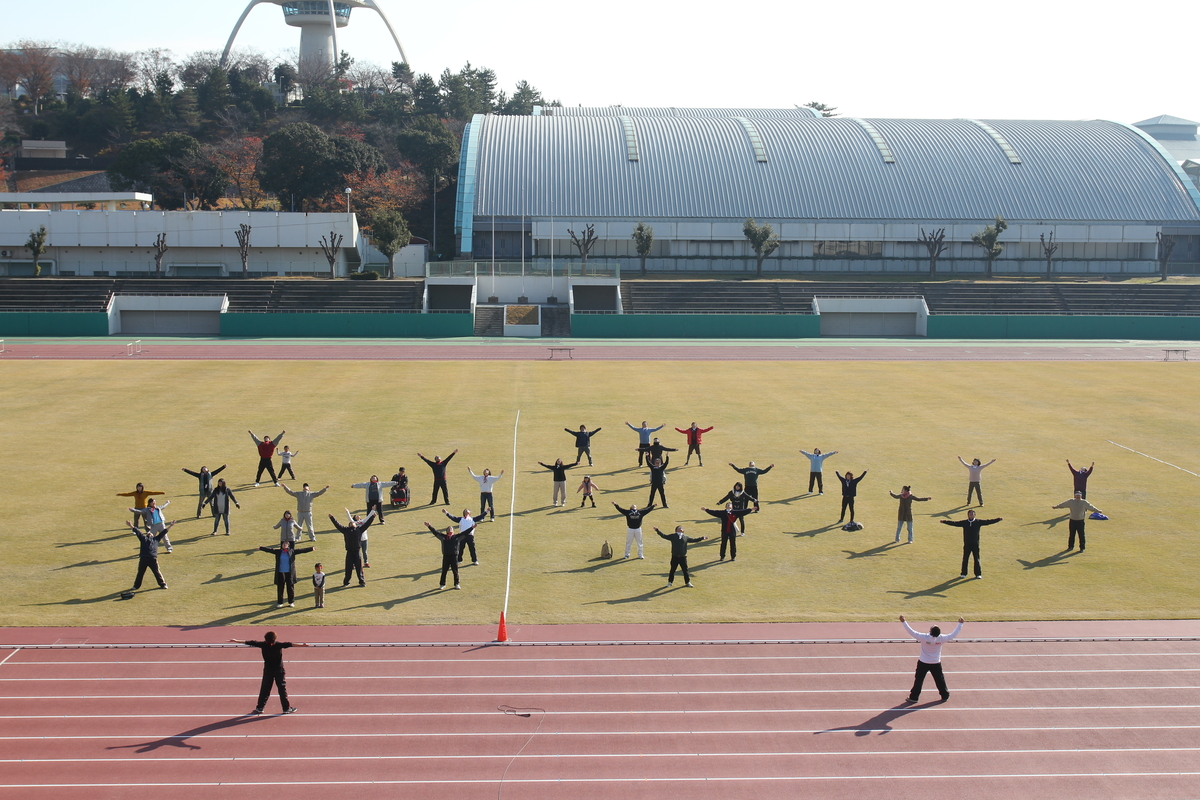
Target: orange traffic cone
502, 634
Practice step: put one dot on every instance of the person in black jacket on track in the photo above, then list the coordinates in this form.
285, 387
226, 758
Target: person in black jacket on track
438, 465
971, 527
679, 542
206, 485
740, 499
583, 442
560, 479
285, 570
750, 476
849, 491
273, 672
658, 480
449, 554
352, 534
729, 517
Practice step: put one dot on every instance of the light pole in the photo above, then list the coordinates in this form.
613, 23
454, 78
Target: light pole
348, 190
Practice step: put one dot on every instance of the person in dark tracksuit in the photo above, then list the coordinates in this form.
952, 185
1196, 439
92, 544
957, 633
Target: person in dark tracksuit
206, 484
273, 672
657, 449
658, 480
971, 527
449, 554
633, 527
352, 534
740, 499
750, 476
583, 442
285, 569
466, 534
266, 451
729, 517
148, 555
438, 465
849, 491
679, 542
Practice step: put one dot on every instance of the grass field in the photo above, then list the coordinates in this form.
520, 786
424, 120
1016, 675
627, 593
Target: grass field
76, 433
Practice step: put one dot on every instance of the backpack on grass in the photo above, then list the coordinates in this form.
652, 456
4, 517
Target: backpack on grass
852, 526
606, 550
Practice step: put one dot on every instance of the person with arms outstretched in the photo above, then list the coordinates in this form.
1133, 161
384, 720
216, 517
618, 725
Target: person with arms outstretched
679, 542
750, 476
741, 499
644, 433
849, 491
728, 517
583, 442
285, 569
816, 468
1077, 509
633, 527
486, 481
148, 554
560, 478
219, 499
695, 435
930, 660
140, 496
304, 501
658, 480
375, 494
273, 672
266, 451
438, 465
974, 471
152, 514
352, 534
906, 498
206, 484
1080, 477
450, 550
466, 534
589, 488
970, 528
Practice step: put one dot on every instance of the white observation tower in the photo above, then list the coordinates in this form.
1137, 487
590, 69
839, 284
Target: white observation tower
318, 21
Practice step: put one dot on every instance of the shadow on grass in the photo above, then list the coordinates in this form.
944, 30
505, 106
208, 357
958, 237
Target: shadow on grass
805, 496
181, 739
951, 511
1049, 523
1057, 559
881, 723
413, 576
933, 591
388, 605
79, 601
102, 540
94, 563
813, 533
637, 598
874, 551
222, 578
594, 565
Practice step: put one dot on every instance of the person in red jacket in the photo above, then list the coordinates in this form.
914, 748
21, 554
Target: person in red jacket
729, 517
694, 434
266, 451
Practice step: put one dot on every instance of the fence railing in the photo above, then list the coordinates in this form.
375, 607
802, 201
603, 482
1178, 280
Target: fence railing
531, 268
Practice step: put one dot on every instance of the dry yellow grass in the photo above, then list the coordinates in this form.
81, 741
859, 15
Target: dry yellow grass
76, 433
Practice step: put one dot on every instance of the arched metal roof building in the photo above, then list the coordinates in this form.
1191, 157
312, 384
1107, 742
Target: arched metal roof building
616, 166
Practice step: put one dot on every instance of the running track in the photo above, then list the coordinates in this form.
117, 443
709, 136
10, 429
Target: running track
1038, 710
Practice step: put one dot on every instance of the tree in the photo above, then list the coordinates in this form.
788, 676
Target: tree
933, 242
763, 241
1049, 248
374, 191
1165, 245
390, 234
238, 161
826, 111
242, 234
287, 77
155, 70
428, 145
213, 94
987, 239
78, 65
160, 250
33, 65
331, 247
299, 161
426, 97
584, 243
643, 240
37, 246
173, 167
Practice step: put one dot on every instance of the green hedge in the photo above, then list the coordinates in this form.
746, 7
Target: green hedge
349, 325
695, 326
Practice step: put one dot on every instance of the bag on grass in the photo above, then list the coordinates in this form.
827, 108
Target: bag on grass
606, 550
1097, 515
852, 526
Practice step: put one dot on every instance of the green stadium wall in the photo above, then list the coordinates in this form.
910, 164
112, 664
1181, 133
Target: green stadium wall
348, 325
1053, 326
53, 323
695, 326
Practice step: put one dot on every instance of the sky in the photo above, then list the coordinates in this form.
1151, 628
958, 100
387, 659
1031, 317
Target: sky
1053, 59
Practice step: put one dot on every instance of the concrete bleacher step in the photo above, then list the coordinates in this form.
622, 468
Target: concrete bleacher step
489, 320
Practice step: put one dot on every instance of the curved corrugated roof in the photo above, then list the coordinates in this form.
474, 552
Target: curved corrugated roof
824, 168
670, 111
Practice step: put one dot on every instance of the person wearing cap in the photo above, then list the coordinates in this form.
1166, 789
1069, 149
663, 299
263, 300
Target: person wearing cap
1077, 509
273, 672
148, 554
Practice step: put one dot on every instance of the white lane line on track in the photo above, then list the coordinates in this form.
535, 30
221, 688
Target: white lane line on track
1074, 751
10, 655
972, 776
533, 693
570, 675
1152, 458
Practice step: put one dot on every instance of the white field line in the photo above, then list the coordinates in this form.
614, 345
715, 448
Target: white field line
512, 515
10, 655
1152, 458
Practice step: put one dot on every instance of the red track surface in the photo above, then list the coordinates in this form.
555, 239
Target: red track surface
769, 711
615, 351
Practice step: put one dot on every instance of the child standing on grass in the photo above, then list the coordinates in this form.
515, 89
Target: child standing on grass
318, 580
587, 487
285, 458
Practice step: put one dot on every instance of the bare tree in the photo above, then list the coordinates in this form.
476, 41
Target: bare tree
1165, 245
987, 239
160, 250
149, 67
37, 246
78, 65
643, 240
584, 243
34, 64
243, 239
115, 71
1049, 248
9, 77
312, 72
762, 240
331, 248
195, 68
934, 242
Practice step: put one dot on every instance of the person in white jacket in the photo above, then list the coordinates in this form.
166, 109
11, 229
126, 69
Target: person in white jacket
930, 659
816, 468
304, 500
486, 481
376, 490
974, 470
